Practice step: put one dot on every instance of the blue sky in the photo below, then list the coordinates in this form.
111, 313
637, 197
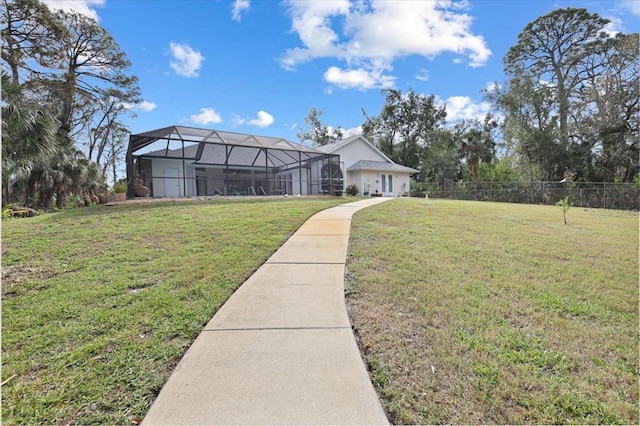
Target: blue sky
258, 66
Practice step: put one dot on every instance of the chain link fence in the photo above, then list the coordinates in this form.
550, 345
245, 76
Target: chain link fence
600, 195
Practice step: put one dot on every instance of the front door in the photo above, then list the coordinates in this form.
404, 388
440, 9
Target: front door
387, 184
171, 182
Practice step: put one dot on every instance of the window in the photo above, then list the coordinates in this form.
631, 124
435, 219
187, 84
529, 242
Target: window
390, 183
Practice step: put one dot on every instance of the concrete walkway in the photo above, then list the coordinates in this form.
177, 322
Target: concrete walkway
281, 349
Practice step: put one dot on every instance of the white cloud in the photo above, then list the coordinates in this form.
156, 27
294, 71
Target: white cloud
353, 131
84, 7
264, 119
614, 27
145, 106
331, 129
311, 20
463, 107
425, 28
238, 7
423, 75
546, 83
632, 6
358, 78
206, 116
236, 120
186, 61
492, 87
370, 34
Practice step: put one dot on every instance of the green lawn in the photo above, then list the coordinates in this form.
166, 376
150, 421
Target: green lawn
470, 312
100, 303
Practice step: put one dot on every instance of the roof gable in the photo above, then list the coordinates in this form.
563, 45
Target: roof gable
336, 147
333, 146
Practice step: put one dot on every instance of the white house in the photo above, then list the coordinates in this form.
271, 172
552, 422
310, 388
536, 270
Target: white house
368, 168
179, 161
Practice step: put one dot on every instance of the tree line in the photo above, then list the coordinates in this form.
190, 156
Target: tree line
570, 104
65, 89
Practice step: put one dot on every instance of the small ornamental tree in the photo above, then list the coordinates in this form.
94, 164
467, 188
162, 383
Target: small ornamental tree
564, 205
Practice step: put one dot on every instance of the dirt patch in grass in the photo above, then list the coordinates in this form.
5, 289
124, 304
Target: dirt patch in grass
13, 275
475, 313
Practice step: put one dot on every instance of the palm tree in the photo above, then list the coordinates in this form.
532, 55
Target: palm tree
476, 142
28, 140
77, 176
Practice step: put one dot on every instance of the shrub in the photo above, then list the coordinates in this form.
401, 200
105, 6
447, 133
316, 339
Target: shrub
10, 211
120, 186
417, 189
352, 189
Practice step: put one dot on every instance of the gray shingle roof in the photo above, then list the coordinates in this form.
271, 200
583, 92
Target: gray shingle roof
189, 153
330, 147
380, 165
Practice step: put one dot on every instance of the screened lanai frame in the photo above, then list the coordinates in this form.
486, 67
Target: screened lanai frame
264, 158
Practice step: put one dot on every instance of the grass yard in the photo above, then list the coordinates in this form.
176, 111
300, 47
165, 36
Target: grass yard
100, 303
471, 313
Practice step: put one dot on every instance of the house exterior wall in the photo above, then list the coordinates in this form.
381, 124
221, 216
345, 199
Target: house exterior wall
354, 178
355, 151
212, 180
365, 180
297, 187
314, 176
191, 180
158, 166
320, 185
403, 187
215, 178
209, 181
371, 180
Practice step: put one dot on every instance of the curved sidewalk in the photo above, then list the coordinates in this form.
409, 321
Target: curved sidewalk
281, 349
